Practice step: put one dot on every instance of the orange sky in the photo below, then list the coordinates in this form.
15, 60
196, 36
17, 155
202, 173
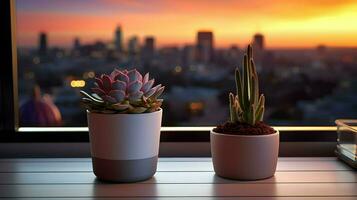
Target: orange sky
285, 23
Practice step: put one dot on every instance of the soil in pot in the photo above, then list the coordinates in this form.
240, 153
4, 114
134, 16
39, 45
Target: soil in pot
260, 128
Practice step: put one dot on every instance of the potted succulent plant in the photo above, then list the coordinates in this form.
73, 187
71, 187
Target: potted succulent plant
245, 147
124, 120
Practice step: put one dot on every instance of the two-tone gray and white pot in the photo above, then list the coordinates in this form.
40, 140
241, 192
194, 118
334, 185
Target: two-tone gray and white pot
124, 147
244, 157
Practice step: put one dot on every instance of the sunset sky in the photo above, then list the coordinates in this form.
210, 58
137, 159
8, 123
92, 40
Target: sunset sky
285, 23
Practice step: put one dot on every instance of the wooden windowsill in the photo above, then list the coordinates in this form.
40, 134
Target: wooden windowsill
176, 178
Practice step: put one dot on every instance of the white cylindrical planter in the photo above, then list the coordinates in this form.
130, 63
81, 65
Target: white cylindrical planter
124, 147
244, 157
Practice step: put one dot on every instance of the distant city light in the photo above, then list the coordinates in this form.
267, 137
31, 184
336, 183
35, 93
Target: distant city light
78, 83
89, 74
178, 69
196, 107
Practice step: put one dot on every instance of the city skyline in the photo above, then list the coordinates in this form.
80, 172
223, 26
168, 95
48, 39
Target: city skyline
133, 43
203, 39
92, 20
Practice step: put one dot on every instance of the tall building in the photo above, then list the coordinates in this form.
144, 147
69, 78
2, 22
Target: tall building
148, 49
133, 45
118, 39
259, 50
205, 46
42, 48
149, 44
76, 43
258, 42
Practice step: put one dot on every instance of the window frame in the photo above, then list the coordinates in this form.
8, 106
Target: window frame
9, 124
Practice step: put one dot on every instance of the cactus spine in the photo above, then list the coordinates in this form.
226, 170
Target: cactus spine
247, 106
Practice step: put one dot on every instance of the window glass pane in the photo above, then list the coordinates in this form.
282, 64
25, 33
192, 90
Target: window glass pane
305, 54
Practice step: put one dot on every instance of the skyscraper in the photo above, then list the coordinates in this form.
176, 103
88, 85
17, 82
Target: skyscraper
258, 50
133, 45
148, 50
258, 42
118, 39
42, 48
149, 44
76, 43
204, 46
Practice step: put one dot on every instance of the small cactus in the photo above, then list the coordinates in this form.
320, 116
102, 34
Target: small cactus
123, 92
247, 106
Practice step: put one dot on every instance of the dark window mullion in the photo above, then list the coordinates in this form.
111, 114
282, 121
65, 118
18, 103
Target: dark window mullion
7, 114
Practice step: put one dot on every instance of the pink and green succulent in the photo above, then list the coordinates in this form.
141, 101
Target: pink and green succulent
123, 92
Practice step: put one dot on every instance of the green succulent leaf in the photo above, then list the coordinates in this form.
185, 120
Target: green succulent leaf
260, 114
239, 86
232, 108
84, 94
120, 106
247, 106
158, 92
137, 110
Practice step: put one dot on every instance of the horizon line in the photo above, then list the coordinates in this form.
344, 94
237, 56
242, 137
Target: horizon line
217, 47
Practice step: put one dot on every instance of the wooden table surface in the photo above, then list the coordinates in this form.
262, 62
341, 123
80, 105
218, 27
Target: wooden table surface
176, 178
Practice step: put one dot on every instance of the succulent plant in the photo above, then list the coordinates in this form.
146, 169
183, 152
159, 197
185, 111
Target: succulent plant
123, 92
247, 106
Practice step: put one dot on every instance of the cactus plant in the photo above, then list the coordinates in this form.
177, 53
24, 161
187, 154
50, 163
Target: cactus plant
247, 106
123, 92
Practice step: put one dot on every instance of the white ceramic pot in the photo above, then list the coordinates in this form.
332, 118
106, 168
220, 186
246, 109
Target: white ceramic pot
124, 147
244, 157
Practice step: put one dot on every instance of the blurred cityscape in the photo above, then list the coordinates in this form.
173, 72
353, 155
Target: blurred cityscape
302, 86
